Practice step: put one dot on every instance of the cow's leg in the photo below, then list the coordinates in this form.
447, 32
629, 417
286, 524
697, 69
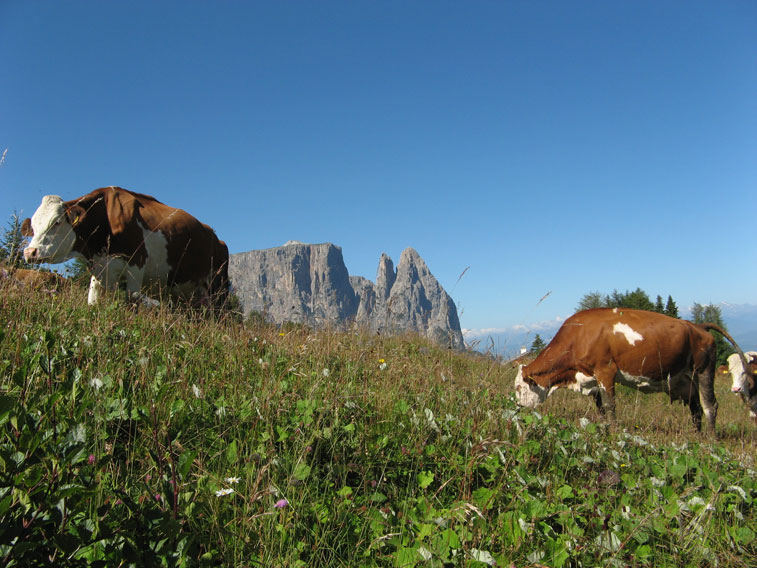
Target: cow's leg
684, 388
606, 384
598, 401
95, 291
752, 405
695, 407
107, 271
134, 279
706, 384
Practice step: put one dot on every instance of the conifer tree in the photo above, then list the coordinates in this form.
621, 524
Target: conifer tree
671, 309
712, 314
538, 345
12, 243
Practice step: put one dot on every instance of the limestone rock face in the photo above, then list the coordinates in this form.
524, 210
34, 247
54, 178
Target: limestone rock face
410, 299
309, 283
298, 282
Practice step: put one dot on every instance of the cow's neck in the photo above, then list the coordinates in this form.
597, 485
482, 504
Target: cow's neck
92, 232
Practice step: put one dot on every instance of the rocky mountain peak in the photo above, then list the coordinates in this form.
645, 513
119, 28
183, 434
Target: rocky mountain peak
309, 283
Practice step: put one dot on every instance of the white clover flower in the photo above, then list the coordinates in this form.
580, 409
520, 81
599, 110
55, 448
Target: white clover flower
325, 372
656, 482
737, 489
226, 491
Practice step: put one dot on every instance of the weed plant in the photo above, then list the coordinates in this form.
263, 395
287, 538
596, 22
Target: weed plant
158, 438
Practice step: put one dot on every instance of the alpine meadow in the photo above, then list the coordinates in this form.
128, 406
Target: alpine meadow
156, 437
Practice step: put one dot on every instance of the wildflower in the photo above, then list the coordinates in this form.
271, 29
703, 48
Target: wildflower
96, 383
282, 334
326, 372
232, 480
91, 459
382, 364
281, 503
226, 491
197, 392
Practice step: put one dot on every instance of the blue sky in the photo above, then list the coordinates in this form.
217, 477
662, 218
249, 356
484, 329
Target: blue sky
559, 147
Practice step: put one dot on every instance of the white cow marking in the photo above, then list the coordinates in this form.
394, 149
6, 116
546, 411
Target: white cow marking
585, 384
641, 383
627, 331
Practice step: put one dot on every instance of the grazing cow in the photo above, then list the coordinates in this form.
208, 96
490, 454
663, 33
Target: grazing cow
741, 372
649, 351
126, 235
35, 279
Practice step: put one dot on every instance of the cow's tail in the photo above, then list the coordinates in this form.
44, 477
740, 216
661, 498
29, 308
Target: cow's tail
714, 327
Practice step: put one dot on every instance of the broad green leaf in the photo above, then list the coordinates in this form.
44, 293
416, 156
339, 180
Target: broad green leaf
425, 478
301, 472
231, 453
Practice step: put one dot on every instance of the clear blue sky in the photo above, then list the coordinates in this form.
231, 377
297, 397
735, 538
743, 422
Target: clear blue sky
549, 146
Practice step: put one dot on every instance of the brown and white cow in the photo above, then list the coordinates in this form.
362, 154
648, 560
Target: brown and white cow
129, 236
651, 352
742, 372
35, 279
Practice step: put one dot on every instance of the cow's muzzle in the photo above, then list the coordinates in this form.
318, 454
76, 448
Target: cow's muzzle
31, 254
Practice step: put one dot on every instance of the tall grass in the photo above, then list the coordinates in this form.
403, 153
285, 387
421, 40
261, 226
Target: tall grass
158, 438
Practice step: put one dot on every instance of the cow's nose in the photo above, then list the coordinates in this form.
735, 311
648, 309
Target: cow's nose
736, 389
30, 254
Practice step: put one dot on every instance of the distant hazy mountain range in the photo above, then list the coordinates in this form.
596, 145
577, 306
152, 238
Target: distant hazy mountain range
740, 319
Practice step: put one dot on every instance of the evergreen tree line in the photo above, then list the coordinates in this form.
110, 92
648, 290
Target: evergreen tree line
637, 299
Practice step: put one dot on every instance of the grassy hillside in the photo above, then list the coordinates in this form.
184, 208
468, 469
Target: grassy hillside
154, 438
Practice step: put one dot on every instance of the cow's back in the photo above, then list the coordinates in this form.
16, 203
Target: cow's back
636, 341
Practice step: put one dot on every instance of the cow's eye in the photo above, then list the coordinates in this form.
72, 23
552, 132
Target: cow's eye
59, 221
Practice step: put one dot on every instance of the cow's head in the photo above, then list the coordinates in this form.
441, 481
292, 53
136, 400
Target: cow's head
52, 231
743, 375
527, 392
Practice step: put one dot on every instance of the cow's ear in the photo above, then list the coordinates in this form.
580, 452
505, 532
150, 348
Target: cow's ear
26, 228
121, 207
75, 214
